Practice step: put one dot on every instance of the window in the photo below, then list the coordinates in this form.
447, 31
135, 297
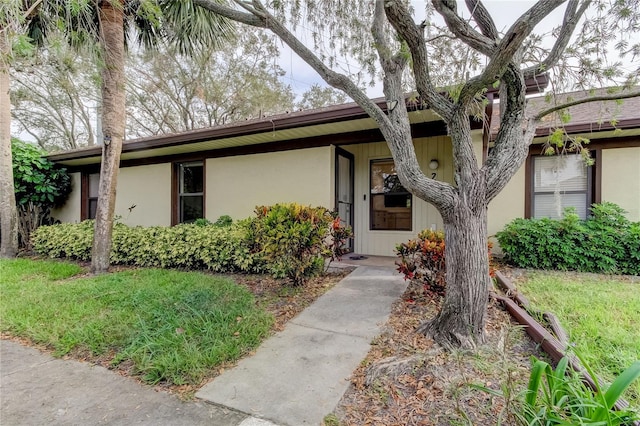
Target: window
89, 194
390, 201
560, 182
190, 194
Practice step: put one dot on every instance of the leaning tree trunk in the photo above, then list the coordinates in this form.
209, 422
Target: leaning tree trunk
461, 320
113, 124
8, 211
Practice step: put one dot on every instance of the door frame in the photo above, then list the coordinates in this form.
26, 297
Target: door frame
344, 153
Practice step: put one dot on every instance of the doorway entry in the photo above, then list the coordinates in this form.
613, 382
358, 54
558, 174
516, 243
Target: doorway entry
345, 190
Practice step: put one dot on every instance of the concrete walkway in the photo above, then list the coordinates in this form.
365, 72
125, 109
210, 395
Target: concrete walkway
295, 378
298, 376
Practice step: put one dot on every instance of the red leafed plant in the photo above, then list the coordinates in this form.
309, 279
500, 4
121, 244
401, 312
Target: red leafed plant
423, 259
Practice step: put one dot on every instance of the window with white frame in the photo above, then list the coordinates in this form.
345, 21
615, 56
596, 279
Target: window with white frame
559, 182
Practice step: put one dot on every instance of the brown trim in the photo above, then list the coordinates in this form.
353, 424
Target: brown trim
486, 130
175, 182
594, 180
528, 185
595, 144
84, 196
419, 130
597, 181
342, 152
630, 123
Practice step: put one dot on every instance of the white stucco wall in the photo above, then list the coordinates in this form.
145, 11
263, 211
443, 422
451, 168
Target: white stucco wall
621, 179
149, 189
70, 212
236, 185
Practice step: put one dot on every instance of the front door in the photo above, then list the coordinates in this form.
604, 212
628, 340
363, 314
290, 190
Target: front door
344, 189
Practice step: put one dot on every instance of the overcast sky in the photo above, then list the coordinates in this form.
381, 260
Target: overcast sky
300, 76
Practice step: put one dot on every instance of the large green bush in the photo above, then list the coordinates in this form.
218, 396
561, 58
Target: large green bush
287, 240
220, 249
39, 185
605, 242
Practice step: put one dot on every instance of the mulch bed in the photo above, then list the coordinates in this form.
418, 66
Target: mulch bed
406, 379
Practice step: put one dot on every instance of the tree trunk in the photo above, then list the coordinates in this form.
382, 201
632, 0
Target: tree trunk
461, 320
113, 124
8, 211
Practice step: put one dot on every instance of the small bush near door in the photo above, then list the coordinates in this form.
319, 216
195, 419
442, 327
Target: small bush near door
605, 242
291, 237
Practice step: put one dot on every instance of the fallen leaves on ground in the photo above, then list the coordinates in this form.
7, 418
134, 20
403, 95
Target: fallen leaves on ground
407, 379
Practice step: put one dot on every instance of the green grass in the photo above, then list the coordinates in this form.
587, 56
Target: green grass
170, 326
601, 315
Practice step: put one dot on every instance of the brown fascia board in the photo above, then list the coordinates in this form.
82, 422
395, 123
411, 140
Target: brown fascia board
332, 114
632, 123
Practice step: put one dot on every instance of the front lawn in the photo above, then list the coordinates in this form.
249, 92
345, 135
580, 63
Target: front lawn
601, 314
162, 325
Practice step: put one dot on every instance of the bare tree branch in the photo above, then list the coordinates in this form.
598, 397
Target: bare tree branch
571, 18
335, 79
510, 44
462, 29
483, 18
402, 22
613, 97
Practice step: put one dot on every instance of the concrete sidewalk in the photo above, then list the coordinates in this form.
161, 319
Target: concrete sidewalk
298, 376
37, 389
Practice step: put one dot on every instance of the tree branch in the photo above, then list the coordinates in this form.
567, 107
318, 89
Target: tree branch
613, 97
510, 44
462, 29
401, 20
483, 18
571, 18
335, 79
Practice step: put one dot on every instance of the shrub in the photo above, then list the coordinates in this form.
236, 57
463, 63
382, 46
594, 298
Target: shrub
39, 186
423, 259
183, 246
292, 239
287, 240
605, 242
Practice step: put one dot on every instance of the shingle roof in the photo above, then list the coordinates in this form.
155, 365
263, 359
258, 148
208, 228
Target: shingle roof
586, 117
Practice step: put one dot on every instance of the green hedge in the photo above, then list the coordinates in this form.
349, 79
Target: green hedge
606, 242
220, 249
286, 240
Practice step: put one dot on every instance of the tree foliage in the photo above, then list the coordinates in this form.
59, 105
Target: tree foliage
465, 49
36, 179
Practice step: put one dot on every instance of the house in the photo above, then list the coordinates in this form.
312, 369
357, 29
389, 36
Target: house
336, 157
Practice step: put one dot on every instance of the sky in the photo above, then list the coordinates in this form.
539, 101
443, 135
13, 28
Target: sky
301, 76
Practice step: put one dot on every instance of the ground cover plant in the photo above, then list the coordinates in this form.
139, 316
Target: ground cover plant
600, 313
160, 325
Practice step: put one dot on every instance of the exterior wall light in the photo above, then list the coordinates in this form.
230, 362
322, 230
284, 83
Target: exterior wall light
433, 164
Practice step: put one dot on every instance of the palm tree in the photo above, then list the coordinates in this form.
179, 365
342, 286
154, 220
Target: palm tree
107, 23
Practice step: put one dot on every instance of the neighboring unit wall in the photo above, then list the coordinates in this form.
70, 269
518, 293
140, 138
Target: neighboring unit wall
621, 179
383, 243
508, 204
236, 185
70, 212
149, 189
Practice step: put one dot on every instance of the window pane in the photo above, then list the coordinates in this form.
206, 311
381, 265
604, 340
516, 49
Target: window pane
563, 173
94, 183
390, 201
93, 206
553, 205
192, 178
191, 208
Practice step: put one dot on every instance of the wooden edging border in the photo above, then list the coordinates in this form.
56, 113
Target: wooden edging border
516, 304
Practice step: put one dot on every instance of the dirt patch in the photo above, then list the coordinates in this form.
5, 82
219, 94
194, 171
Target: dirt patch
406, 379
